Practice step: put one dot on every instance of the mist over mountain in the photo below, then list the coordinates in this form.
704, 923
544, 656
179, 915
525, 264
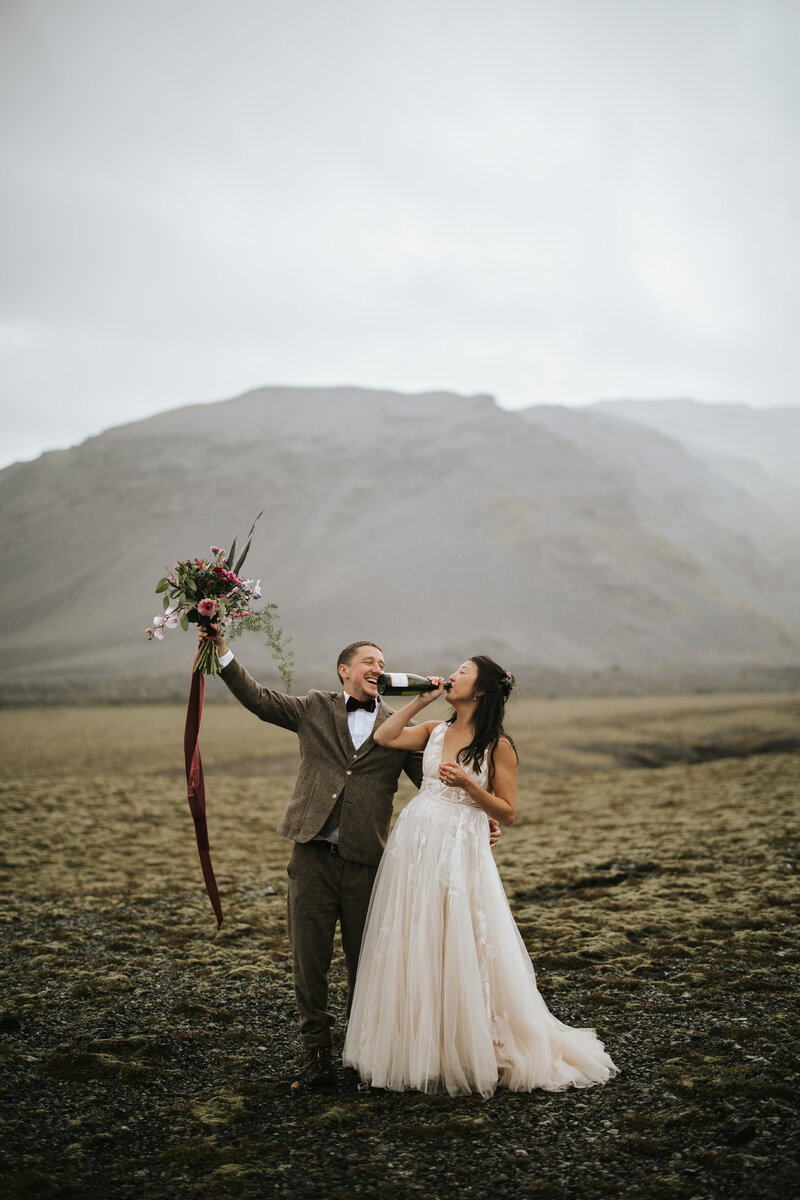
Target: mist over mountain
581, 548
757, 449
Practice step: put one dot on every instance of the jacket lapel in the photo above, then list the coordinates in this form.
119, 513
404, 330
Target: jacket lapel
382, 714
342, 728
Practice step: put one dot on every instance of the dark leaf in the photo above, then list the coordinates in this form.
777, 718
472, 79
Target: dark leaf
243, 555
162, 585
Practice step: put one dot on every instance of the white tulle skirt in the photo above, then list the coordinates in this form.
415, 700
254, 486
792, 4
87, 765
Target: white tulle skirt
446, 995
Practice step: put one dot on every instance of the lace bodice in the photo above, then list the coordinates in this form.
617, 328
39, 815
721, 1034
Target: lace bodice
432, 785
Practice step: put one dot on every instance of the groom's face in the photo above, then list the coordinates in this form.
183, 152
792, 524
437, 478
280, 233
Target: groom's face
360, 675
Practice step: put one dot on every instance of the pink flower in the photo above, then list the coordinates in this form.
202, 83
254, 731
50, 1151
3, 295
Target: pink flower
207, 608
169, 620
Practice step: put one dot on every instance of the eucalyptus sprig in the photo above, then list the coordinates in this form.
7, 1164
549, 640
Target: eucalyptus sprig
265, 622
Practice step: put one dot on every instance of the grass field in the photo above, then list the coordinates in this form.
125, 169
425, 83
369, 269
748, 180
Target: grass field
653, 874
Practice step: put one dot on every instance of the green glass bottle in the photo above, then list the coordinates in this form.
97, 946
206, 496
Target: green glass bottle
390, 683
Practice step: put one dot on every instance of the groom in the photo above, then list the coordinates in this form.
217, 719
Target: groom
338, 818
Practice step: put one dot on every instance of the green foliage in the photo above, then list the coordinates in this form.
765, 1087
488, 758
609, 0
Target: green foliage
265, 622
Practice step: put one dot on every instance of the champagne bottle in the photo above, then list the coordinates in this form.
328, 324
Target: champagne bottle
390, 683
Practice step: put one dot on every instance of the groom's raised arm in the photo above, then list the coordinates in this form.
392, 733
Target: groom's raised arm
286, 711
275, 707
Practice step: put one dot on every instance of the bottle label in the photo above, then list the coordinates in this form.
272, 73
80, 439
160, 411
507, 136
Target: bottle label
398, 680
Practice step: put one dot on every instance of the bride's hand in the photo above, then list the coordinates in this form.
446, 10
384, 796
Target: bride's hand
429, 697
452, 774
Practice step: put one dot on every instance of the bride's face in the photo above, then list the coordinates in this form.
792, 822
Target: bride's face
462, 682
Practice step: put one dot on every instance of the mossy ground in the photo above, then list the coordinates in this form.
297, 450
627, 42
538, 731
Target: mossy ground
144, 1056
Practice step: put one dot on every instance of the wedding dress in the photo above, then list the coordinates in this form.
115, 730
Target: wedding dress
445, 995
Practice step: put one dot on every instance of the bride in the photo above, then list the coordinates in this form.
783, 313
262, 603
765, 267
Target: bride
445, 995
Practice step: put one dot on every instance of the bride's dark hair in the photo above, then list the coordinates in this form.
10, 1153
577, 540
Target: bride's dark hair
493, 687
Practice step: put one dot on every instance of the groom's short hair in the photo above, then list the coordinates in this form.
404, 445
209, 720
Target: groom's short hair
349, 653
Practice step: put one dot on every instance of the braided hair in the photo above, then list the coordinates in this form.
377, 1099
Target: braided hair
493, 687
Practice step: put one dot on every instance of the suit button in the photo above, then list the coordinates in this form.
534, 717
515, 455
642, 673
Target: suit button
348, 772
335, 794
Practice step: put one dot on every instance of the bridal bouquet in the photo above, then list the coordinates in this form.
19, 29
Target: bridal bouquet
206, 592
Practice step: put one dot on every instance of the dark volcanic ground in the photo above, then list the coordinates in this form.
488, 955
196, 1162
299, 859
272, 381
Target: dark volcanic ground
145, 1057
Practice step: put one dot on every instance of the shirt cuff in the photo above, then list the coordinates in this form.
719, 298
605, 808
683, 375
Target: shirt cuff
226, 658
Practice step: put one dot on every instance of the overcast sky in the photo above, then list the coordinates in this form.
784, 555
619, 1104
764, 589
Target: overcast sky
554, 202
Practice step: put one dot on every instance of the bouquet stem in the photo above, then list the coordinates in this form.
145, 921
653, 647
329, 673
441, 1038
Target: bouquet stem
207, 661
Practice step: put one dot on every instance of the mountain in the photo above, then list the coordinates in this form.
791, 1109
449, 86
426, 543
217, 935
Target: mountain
756, 449
581, 549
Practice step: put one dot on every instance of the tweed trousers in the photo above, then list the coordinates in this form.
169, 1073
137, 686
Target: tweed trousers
323, 889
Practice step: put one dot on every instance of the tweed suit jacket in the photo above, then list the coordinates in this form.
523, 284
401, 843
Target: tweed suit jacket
330, 765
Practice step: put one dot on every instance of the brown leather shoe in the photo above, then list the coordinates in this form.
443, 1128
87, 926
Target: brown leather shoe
318, 1071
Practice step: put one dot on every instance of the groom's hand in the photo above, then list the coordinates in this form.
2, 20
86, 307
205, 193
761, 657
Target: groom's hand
212, 634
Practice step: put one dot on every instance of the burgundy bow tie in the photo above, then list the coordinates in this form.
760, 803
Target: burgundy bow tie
353, 704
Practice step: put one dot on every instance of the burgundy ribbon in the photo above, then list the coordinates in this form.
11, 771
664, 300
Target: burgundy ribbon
196, 788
